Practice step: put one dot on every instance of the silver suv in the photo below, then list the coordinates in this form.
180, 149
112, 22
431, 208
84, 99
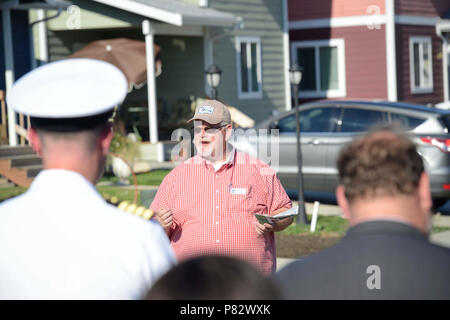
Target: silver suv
326, 126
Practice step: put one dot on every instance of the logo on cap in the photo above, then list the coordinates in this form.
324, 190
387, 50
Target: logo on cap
206, 109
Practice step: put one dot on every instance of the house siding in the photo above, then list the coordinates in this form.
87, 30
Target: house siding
320, 9
431, 8
263, 19
403, 34
365, 58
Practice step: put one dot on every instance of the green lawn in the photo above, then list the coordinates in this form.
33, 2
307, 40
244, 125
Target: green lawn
330, 225
152, 178
6, 193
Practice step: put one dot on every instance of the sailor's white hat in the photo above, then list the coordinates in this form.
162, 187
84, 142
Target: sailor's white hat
72, 88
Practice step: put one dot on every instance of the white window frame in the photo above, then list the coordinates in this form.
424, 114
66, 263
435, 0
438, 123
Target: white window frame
421, 88
251, 94
316, 44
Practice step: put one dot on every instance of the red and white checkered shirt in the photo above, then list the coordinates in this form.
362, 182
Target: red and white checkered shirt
213, 212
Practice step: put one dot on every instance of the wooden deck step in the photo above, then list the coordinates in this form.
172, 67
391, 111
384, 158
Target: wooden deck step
6, 151
19, 164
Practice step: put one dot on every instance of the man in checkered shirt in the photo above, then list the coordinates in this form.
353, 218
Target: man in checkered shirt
207, 204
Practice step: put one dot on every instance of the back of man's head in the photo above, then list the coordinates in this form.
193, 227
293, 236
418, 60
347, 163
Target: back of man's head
82, 132
382, 163
213, 277
382, 177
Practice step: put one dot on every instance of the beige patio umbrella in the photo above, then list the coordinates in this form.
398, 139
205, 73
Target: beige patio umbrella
126, 54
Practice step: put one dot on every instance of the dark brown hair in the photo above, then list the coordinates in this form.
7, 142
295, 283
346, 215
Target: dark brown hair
381, 163
213, 278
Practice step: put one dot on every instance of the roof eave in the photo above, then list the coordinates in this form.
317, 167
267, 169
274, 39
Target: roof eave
174, 18
443, 25
146, 11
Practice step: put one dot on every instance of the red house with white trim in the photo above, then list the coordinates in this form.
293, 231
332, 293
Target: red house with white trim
371, 49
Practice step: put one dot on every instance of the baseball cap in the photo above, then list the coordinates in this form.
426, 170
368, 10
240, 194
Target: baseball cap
69, 94
212, 111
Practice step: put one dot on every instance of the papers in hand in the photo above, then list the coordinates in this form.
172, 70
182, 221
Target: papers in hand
264, 218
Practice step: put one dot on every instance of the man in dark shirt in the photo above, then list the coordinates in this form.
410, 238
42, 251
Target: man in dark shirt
385, 193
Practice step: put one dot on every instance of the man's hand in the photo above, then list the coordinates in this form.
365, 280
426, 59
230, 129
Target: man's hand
165, 218
280, 225
262, 229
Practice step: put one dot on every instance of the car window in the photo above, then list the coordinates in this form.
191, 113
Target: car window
406, 122
360, 120
311, 120
446, 121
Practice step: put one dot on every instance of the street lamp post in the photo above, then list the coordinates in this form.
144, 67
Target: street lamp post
295, 77
213, 76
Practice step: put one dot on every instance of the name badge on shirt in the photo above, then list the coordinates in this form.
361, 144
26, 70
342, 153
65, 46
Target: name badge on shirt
238, 190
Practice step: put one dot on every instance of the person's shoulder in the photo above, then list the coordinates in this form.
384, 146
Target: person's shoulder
13, 205
127, 222
436, 250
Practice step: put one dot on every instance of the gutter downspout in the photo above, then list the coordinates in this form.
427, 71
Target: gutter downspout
391, 64
43, 53
444, 61
287, 83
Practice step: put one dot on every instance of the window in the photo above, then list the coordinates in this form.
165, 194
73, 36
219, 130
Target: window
361, 120
420, 57
248, 56
311, 120
406, 122
446, 122
323, 65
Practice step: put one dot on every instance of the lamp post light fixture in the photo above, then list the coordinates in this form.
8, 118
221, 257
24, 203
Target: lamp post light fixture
295, 77
213, 76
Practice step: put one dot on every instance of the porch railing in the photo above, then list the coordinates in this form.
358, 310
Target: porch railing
21, 128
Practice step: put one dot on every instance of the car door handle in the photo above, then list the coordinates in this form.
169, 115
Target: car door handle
314, 142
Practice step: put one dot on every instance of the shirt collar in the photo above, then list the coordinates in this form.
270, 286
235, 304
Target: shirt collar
62, 180
229, 160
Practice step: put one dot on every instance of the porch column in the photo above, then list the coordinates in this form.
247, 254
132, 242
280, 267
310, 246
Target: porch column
286, 56
42, 36
9, 66
445, 53
151, 86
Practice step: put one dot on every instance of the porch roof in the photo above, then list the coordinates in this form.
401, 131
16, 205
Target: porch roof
175, 12
42, 4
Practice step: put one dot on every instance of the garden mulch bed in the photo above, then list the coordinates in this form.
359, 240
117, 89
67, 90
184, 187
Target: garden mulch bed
294, 246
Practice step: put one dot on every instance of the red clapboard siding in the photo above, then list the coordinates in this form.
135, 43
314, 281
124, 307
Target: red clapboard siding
320, 9
403, 34
434, 8
365, 60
